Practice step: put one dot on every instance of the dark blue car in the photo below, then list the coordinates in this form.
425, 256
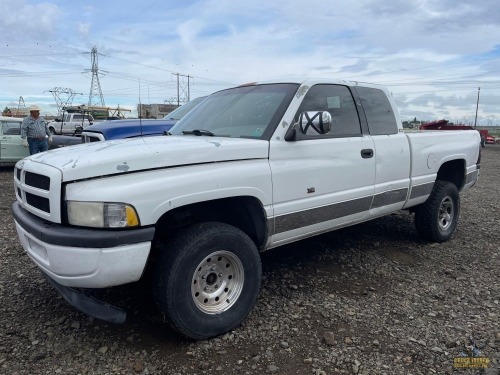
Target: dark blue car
118, 129
126, 128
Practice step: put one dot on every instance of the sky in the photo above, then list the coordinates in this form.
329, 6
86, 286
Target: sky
433, 56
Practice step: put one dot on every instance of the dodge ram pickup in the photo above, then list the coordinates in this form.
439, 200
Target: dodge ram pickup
251, 168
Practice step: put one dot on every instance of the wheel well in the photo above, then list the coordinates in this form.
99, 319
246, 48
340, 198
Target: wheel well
453, 171
244, 213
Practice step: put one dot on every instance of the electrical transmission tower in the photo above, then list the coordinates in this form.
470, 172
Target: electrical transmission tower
63, 97
183, 94
21, 108
95, 96
21, 105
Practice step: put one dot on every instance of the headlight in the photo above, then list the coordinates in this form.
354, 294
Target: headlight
102, 215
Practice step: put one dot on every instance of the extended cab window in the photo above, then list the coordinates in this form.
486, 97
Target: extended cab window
378, 110
338, 101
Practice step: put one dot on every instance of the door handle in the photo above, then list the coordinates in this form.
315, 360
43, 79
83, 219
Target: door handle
367, 153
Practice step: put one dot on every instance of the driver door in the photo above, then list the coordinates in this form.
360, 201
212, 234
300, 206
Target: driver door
11, 147
322, 181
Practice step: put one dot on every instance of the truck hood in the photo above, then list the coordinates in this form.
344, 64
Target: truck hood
96, 159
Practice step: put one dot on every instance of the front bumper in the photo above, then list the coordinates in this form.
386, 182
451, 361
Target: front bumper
82, 257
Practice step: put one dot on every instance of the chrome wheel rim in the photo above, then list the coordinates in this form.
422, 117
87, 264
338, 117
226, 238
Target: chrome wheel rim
445, 215
217, 282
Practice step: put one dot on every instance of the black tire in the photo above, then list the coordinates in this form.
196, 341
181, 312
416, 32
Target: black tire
437, 218
207, 279
52, 130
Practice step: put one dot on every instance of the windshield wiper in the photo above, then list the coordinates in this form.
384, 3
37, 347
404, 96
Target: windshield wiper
199, 132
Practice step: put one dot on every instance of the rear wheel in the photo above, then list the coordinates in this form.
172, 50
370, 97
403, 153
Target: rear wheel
437, 218
207, 279
52, 130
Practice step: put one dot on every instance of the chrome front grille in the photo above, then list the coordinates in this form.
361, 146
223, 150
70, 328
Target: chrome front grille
38, 189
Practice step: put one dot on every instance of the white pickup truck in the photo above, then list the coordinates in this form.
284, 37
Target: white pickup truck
70, 123
250, 169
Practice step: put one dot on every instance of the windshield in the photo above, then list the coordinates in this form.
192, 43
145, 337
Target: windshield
181, 111
245, 111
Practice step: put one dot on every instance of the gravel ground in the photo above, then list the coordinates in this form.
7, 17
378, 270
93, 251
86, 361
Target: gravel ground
370, 299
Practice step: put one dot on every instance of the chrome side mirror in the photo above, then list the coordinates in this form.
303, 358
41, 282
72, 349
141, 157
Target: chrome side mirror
315, 122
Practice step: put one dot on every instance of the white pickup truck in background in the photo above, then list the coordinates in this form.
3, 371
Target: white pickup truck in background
70, 123
249, 169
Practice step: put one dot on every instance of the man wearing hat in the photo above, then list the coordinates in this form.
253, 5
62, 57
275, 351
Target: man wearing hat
34, 132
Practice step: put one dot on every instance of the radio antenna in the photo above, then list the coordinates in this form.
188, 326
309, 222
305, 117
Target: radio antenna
140, 106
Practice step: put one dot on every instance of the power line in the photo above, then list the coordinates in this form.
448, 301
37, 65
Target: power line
34, 74
166, 70
44, 54
431, 66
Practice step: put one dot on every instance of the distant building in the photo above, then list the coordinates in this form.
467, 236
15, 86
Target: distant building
154, 110
19, 112
415, 124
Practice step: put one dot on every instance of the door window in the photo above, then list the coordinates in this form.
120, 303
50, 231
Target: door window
338, 101
11, 128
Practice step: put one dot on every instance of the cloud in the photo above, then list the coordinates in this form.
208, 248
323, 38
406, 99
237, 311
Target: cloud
21, 20
83, 29
432, 56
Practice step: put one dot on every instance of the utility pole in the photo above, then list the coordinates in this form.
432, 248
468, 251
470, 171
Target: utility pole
95, 96
183, 93
477, 106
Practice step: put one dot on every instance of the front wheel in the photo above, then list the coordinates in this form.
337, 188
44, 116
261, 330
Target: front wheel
437, 218
52, 130
207, 279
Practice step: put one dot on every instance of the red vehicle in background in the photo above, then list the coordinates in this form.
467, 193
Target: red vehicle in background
445, 125
490, 140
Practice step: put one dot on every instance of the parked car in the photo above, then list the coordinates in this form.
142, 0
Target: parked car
70, 123
490, 140
11, 147
183, 110
126, 128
